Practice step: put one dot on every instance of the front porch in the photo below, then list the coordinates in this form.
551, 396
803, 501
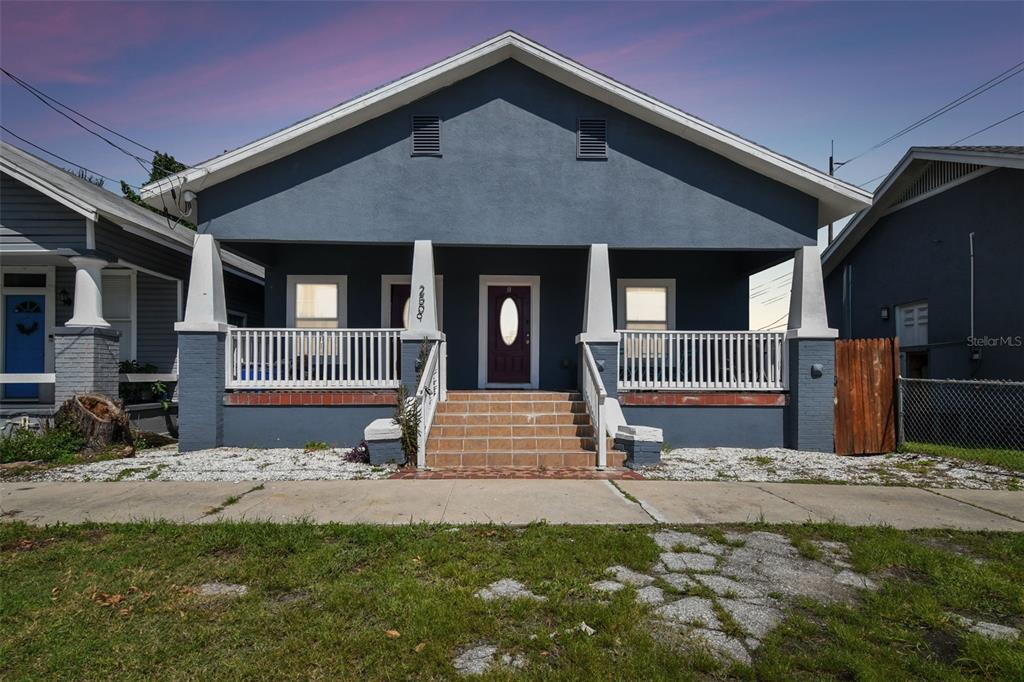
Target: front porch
546, 321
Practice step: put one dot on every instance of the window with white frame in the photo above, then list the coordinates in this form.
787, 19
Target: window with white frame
912, 319
317, 301
646, 304
119, 308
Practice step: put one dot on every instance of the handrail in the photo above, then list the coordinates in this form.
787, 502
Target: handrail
702, 360
594, 395
428, 394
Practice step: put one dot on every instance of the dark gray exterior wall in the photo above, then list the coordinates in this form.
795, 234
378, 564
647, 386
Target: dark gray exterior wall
509, 175
201, 391
699, 427
294, 426
32, 220
711, 293
922, 252
156, 307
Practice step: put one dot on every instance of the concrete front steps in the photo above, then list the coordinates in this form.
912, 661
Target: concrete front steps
514, 428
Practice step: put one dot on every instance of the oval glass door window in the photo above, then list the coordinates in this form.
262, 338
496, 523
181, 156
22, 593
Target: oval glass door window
508, 321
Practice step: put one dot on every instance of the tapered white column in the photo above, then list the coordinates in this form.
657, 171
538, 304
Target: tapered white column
807, 315
598, 322
422, 294
88, 310
205, 308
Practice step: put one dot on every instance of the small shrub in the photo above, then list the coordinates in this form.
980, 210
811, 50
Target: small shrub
50, 445
360, 454
316, 446
407, 416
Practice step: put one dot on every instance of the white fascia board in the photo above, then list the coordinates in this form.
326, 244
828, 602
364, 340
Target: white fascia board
72, 202
836, 198
969, 156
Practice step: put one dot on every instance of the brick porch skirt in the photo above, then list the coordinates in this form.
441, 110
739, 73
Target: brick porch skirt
309, 398
473, 472
704, 399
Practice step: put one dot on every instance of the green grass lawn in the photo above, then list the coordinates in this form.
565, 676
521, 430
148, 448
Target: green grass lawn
119, 601
1007, 459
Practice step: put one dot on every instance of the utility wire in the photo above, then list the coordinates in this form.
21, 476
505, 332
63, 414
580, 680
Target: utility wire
36, 91
58, 156
43, 98
988, 127
962, 99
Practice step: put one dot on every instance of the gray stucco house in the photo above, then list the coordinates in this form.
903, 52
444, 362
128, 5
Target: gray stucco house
937, 263
553, 264
90, 280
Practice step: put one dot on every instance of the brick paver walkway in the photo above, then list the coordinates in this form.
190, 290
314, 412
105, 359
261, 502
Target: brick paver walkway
577, 473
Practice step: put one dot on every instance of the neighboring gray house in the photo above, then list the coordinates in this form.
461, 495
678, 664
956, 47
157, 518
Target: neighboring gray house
936, 260
572, 253
88, 279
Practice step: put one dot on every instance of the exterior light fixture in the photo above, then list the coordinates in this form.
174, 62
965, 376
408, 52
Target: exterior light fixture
885, 313
65, 297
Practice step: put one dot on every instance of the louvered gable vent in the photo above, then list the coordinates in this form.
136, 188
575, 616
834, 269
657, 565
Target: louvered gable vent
426, 136
591, 139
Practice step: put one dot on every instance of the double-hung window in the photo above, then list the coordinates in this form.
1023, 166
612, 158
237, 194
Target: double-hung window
119, 308
646, 304
317, 301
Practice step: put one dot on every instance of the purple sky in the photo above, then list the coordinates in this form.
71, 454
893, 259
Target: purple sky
195, 79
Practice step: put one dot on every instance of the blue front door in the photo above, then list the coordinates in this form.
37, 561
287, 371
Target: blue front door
24, 341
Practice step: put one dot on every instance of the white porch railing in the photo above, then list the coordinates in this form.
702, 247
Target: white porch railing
312, 358
431, 390
38, 378
707, 361
594, 395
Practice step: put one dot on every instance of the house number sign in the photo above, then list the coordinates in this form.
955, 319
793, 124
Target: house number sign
422, 304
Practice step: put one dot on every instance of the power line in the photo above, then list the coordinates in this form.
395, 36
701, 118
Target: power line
43, 98
58, 156
979, 132
962, 99
965, 137
772, 324
36, 91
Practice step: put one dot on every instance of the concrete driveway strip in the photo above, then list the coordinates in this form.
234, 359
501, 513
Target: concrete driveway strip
526, 501
383, 502
113, 502
902, 508
713, 502
1006, 502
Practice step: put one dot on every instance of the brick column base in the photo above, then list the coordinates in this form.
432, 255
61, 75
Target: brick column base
200, 390
85, 361
410, 354
606, 355
811, 412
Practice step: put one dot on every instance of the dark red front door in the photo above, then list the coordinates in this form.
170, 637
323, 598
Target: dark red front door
399, 299
508, 335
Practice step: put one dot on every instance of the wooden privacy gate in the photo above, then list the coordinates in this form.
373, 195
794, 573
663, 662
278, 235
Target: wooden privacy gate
866, 383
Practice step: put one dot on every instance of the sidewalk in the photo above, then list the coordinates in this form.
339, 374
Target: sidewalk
512, 502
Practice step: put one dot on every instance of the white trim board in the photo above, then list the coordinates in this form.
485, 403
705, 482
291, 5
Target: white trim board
340, 280
385, 298
532, 281
836, 198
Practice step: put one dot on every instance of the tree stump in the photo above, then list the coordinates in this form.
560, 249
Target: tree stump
102, 422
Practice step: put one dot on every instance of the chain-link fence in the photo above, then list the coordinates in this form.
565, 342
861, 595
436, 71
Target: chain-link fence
970, 414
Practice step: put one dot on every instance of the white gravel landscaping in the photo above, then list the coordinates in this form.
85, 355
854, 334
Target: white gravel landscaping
218, 464
780, 465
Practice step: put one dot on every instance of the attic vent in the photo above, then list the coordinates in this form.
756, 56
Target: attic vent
426, 136
938, 174
591, 139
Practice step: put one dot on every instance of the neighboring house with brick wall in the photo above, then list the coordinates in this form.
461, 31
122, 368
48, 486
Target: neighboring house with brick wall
936, 261
88, 281
545, 258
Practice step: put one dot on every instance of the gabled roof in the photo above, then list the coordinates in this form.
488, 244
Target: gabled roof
93, 202
836, 198
909, 170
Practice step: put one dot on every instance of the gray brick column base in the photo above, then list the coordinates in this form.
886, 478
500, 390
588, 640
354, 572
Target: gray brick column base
606, 354
200, 390
811, 411
85, 360
639, 453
